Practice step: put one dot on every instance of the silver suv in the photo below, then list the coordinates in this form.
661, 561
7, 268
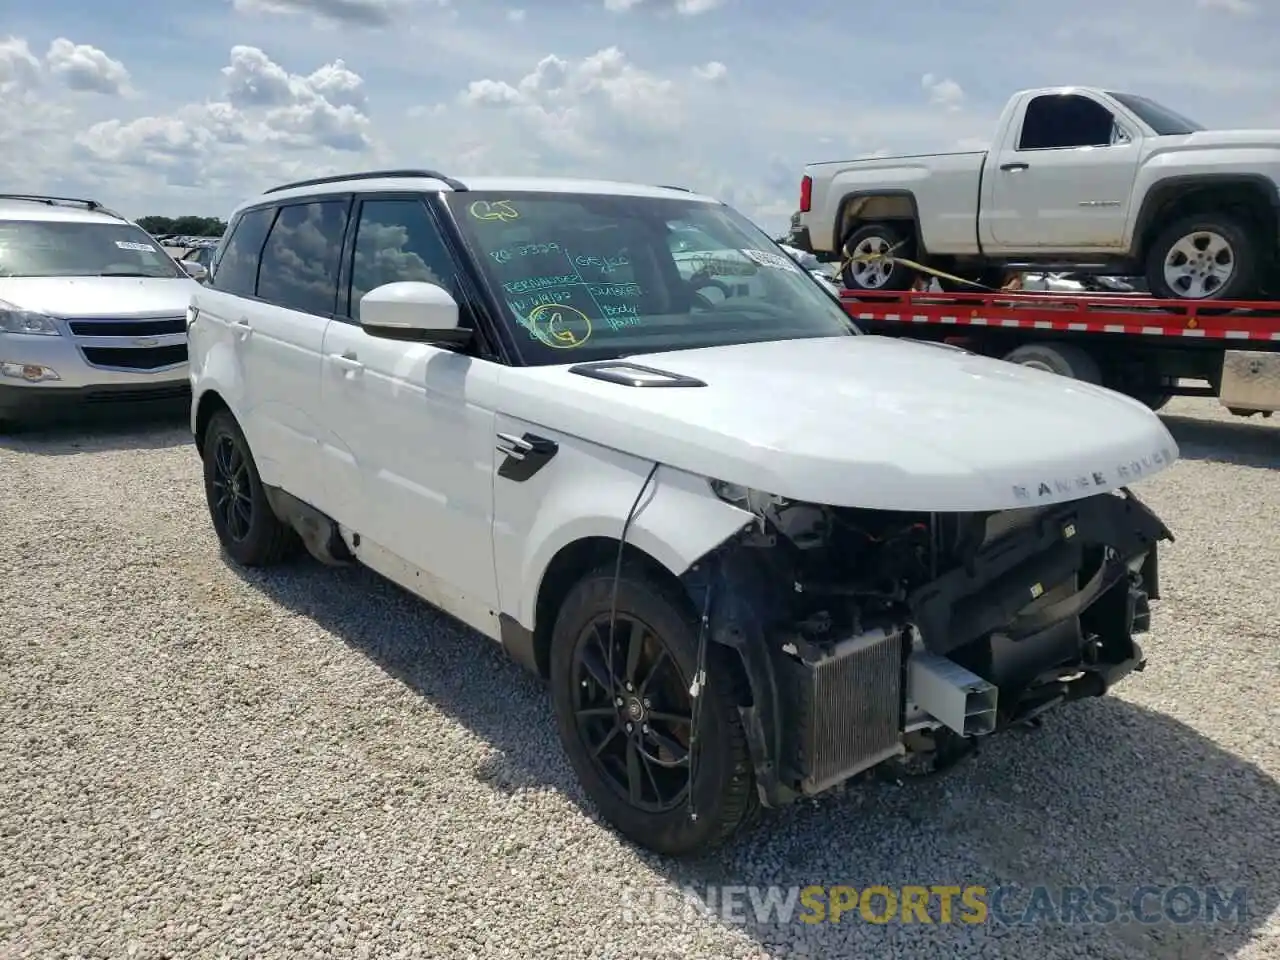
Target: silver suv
92, 309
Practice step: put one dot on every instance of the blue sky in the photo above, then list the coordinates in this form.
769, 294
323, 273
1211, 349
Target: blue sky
166, 107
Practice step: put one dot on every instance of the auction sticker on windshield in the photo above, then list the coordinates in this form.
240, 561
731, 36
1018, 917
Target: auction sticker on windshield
130, 245
766, 259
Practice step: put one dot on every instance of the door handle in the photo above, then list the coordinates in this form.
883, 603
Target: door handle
1014, 167
347, 362
243, 328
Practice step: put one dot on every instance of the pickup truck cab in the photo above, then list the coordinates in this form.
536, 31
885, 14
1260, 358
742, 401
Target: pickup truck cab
752, 551
1076, 178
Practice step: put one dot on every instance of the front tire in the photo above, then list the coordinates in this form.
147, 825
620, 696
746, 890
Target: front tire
1204, 257
247, 528
639, 778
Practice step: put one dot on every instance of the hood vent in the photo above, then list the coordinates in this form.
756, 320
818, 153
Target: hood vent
633, 375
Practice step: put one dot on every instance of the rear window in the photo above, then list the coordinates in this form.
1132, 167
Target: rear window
44, 248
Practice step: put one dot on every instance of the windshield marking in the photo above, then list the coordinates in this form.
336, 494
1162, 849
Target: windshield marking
610, 276
494, 210
558, 325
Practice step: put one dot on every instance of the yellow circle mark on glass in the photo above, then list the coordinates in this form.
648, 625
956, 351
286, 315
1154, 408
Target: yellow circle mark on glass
494, 210
558, 326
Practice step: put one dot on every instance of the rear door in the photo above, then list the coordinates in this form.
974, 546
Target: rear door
279, 332
1062, 180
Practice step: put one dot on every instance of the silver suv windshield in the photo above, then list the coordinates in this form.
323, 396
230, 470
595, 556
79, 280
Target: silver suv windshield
67, 248
591, 276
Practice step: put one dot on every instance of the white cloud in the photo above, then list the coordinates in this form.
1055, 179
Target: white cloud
516, 16
270, 124
363, 13
85, 68
20, 69
1238, 7
945, 93
686, 8
711, 70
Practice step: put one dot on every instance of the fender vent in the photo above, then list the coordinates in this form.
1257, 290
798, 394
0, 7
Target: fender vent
633, 374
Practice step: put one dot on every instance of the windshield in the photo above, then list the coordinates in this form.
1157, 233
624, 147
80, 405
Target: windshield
1165, 122
593, 277
63, 248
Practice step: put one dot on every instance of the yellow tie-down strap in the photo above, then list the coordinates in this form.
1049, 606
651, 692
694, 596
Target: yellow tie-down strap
910, 264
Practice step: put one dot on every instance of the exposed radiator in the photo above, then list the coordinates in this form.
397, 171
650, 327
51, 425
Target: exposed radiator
847, 709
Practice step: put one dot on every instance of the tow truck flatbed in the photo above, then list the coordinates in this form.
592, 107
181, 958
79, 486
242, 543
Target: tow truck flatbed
1142, 346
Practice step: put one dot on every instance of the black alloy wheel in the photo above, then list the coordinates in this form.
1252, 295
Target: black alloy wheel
634, 713
232, 504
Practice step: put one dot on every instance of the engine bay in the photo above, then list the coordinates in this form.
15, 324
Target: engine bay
879, 624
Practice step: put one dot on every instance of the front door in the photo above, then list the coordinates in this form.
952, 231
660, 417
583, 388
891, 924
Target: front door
1062, 181
408, 448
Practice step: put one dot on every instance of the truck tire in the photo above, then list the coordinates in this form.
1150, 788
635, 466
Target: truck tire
247, 527
1064, 359
1207, 256
635, 777
876, 238
1155, 401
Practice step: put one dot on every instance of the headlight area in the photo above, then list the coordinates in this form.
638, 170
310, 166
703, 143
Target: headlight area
14, 319
868, 635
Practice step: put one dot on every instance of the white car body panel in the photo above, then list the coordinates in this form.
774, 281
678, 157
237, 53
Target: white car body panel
869, 422
583, 493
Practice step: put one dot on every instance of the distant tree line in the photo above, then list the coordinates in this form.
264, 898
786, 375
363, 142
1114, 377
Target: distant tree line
183, 226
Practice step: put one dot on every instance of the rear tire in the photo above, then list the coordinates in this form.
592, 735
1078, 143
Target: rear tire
1204, 257
247, 528
635, 778
874, 277
1064, 359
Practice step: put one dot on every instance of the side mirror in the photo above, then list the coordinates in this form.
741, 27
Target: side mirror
412, 310
196, 271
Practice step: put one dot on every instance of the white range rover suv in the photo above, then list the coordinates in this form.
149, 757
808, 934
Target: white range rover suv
91, 310
753, 551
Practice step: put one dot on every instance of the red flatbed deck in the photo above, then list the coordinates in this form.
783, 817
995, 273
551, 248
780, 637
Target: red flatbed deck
1116, 314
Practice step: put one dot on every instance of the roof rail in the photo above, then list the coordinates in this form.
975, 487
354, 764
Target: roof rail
371, 175
91, 205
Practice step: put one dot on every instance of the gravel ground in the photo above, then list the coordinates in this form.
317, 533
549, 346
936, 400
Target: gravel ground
203, 763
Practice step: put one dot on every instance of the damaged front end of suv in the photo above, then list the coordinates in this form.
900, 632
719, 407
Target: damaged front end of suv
868, 635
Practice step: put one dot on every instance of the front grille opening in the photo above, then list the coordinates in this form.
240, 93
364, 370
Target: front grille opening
152, 327
136, 358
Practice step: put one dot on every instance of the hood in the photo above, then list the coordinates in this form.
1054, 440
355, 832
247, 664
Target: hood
862, 421
100, 296
1223, 138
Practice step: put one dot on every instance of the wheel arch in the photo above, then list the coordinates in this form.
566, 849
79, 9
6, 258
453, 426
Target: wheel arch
578, 525
204, 407
1172, 197
861, 207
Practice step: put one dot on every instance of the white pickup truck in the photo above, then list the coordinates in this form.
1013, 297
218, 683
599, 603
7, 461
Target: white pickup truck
1076, 178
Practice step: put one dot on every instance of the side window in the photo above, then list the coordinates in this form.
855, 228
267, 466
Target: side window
398, 240
236, 270
301, 257
1057, 121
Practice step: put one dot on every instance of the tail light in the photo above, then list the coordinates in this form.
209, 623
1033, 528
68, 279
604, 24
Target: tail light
806, 193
